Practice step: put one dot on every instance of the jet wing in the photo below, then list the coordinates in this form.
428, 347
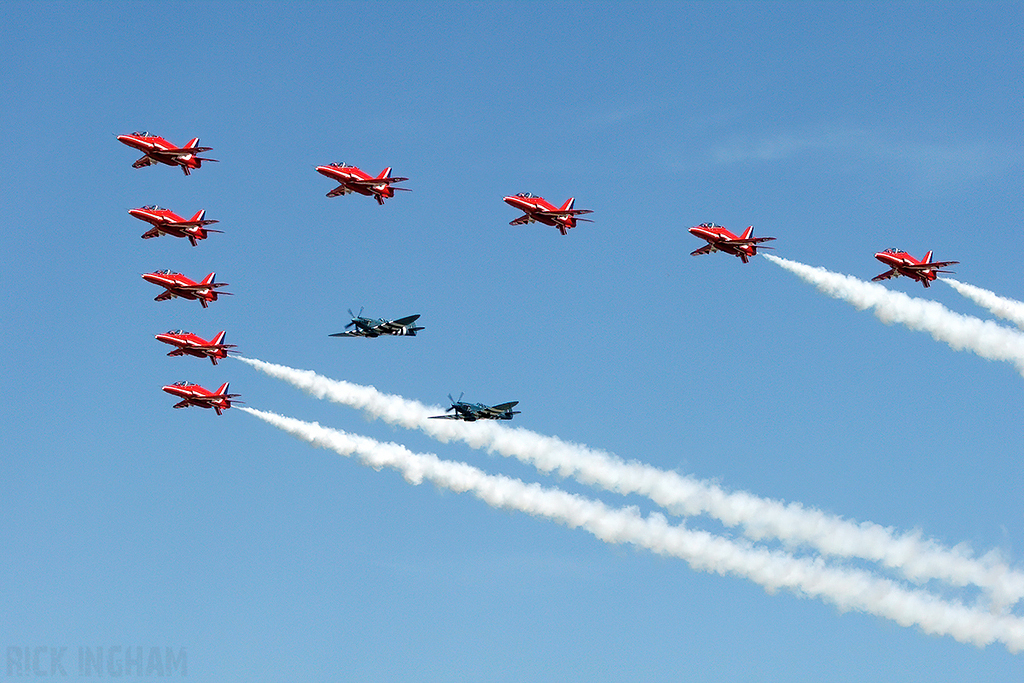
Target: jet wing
149, 234
201, 287
370, 182
193, 224
339, 190
565, 214
144, 161
706, 249
931, 266
522, 220
885, 276
182, 404
752, 240
179, 151
164, 297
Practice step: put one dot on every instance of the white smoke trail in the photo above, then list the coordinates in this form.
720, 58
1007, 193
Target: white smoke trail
983, 337
919, 559
1007, 309
847, 589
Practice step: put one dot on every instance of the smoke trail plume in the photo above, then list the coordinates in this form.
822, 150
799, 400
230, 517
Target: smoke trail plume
845, 588
1007, 309
919, 559
983, 337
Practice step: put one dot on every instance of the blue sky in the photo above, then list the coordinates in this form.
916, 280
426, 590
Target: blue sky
841, 129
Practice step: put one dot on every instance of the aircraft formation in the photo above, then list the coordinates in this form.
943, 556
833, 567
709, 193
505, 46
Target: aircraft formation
353, 180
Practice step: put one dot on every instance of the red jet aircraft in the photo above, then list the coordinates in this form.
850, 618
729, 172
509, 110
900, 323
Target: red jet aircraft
902, 263
720, 239
177, 285
166, 222
538, 209
353, 179
194, 395
158, 150
194, 345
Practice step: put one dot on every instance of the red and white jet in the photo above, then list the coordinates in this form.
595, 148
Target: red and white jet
158, 150
353, 179
177, 285
902, 263
194, 345
195, 395
720, 239
538, 210
166, 222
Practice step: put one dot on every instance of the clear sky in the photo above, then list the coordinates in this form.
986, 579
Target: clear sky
840, 129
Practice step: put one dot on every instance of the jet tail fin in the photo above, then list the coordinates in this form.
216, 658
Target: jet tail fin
747, 233
386, 173
208, 280
927, 258
568, 204
194, 142
199, 216
219, 339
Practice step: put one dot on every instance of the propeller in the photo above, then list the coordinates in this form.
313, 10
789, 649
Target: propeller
354, 316
454, 402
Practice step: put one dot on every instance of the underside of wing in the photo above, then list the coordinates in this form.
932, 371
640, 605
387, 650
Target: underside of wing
185, 225
373, 182
164, 296
339, 191
522, 220
202, 287
353, 333
931, 266
885, 276
706, 249
746, 242
144, 161
149, 234
445, 417
182, 404
179, 152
